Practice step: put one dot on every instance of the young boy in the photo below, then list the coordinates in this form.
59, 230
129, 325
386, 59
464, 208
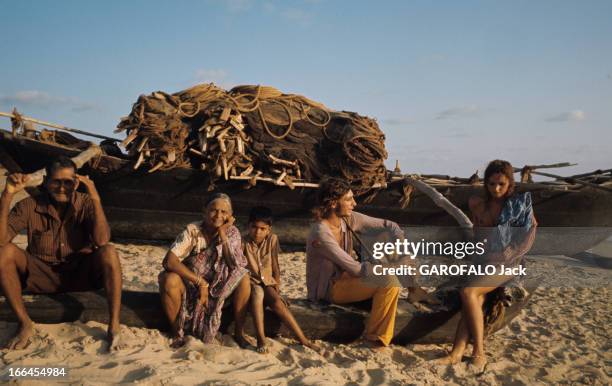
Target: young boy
261, 250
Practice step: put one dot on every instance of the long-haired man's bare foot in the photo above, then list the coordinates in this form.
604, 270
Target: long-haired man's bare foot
374, 345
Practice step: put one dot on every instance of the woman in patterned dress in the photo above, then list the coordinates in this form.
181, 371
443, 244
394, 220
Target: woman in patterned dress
203, 267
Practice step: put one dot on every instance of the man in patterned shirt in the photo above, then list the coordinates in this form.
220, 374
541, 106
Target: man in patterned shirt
68, 246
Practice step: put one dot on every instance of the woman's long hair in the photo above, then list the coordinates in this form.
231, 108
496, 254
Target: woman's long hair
503, 167
330, 190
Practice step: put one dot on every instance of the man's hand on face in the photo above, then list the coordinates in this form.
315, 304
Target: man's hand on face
16, 182
90, 186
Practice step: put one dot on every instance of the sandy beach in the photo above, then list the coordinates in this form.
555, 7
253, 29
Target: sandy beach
562, 337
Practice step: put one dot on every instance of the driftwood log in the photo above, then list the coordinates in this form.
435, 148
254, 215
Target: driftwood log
441, 201
327, 322
38, 176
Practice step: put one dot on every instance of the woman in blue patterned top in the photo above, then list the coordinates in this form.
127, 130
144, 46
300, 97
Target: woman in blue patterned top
508, 220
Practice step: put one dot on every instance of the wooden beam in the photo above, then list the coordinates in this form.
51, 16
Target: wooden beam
572, 180
550, 166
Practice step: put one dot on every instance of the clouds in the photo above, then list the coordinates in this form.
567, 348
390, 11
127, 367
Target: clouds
459, 112
447, 114
207, 75
460, 133
397, 121
298, 15
238, 5
44, 100
569, 116
32, 98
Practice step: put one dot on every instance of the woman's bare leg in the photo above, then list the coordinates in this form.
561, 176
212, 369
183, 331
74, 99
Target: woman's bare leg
171, 288
459, 345
473, 299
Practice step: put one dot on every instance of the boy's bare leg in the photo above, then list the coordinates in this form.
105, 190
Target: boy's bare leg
171, 288
257, 310
273, 299
241, 297
14, 263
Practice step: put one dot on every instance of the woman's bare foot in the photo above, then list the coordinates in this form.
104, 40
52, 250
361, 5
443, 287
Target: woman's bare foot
479, 364
241, 341
262, 346
23, 338
449, 359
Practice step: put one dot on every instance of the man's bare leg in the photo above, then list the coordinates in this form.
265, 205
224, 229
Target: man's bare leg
108, 259
13, 263
257, 310
242, 294
172, 288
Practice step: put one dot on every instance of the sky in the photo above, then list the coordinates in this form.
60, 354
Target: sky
453, 84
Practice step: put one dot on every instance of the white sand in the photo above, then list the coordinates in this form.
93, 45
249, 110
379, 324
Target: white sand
561, 337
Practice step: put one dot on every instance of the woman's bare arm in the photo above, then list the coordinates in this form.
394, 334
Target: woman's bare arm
522, 247
173, 264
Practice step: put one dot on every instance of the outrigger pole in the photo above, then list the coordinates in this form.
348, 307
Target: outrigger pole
55, 126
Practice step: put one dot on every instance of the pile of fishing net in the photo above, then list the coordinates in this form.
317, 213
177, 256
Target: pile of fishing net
254, 133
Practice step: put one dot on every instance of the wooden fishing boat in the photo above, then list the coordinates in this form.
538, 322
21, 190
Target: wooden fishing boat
572, 217
157, 205
333, 323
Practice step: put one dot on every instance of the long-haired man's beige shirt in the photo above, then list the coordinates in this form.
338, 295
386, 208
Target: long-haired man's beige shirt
326, 260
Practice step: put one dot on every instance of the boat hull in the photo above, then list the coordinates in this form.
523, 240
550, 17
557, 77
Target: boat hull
158, 205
